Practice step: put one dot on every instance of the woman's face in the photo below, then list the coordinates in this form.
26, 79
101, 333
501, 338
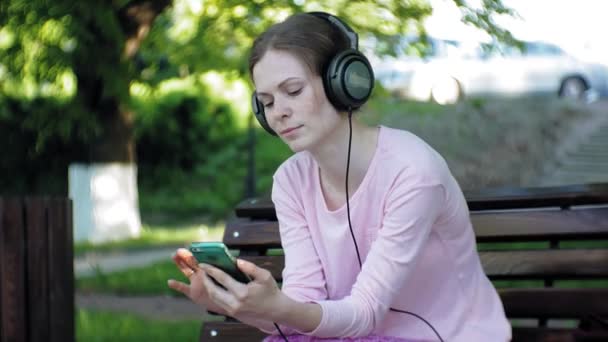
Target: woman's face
294, 100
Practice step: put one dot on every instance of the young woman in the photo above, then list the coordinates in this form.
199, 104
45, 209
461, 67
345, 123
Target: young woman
376, 232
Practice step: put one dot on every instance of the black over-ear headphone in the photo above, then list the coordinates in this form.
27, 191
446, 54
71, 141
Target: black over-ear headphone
348, 78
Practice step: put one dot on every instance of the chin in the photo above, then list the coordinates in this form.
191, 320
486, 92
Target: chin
298, 145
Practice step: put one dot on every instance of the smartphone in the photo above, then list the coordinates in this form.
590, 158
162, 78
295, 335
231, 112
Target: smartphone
218, 255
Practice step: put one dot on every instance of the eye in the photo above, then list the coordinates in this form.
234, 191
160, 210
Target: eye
268, 105
295, 93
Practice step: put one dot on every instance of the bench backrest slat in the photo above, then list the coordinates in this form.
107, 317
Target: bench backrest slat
504, 226
487, 199
515, 265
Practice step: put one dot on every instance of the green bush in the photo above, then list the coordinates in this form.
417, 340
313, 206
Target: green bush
193, 157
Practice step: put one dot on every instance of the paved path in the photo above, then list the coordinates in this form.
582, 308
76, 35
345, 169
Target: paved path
582, 157
91, 263
164, 308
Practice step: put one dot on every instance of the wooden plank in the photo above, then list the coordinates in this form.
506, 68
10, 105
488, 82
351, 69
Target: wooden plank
273, 263
37, 269
513, 265
486, 199
530, 334
245, 233
505, 226
554, 302
546, 264
230, 332
541, 225
237, 332
61, 270
12, 271
256, 208
533, 197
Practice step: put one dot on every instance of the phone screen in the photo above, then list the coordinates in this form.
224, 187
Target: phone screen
218, 255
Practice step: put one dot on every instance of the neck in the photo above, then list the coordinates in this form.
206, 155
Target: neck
331, 155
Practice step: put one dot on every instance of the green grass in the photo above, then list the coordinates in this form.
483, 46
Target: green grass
99, 326
157, 236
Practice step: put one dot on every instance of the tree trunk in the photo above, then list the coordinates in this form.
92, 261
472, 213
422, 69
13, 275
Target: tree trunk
105, 190
116, 142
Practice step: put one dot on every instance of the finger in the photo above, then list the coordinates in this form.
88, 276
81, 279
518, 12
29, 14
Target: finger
187, 257
250, 269
179, 286
185, 269
220, 297
229, 283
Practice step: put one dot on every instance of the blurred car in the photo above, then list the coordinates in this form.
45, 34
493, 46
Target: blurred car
455, 69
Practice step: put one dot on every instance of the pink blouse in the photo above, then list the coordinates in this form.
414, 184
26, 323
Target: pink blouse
417, 245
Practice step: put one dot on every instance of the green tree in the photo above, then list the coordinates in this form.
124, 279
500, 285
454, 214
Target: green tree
100, 46
67, 67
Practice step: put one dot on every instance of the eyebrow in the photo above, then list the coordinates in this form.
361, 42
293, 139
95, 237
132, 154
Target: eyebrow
280, 85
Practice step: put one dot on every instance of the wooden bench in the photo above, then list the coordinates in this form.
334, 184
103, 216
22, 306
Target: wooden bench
533, 242
36, 270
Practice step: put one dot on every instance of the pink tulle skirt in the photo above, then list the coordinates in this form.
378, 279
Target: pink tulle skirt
304, 338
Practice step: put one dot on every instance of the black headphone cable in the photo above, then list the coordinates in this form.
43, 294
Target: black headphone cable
280, 332
352, 234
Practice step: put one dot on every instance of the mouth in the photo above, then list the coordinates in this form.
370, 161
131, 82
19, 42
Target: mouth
289, 130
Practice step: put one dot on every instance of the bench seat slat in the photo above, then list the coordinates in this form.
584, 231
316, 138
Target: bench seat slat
230, 332
591, 223
529, 334
554, 302
236, 332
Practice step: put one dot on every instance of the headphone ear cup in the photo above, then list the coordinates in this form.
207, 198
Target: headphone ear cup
348, 80
260, 115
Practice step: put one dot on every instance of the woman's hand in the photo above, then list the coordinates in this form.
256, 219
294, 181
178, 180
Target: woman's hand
198, 289
259, 298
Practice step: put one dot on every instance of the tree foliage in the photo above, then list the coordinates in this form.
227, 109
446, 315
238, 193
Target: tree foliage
68, 69
49, 46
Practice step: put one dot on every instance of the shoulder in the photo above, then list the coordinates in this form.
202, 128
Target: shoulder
299, 164
296, 172
409, 156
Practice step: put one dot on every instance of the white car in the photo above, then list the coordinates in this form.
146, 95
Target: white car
455, 69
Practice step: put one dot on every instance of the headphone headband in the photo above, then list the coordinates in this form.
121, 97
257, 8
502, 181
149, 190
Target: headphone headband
352, 36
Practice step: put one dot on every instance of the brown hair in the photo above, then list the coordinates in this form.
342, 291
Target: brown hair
311, 39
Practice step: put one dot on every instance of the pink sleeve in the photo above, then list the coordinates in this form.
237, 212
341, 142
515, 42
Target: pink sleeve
303, 278
410, 212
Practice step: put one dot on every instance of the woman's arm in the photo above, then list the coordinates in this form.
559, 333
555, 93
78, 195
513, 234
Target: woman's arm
409, 216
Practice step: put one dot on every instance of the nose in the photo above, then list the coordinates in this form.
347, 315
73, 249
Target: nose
281, 109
